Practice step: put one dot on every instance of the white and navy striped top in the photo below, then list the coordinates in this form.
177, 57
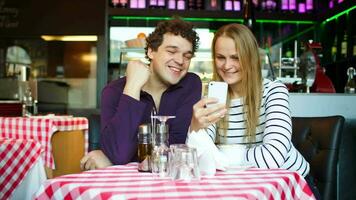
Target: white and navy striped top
273, 147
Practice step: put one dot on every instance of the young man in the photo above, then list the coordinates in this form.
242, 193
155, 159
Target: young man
163, 87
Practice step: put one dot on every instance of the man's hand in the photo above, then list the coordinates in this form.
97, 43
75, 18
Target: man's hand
137, 74
94, 160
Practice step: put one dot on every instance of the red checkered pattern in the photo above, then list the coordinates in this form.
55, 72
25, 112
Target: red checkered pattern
16, 158
125, 182
41, 129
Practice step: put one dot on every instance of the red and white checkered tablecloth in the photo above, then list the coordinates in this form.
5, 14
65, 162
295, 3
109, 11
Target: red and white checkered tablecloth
41, 129
17, 157
125, 182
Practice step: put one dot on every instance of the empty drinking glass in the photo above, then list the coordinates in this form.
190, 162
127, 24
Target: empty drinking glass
172, 149
184, 164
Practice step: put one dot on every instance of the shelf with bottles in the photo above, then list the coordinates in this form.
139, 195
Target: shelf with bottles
264, 9
339, 39
210, 15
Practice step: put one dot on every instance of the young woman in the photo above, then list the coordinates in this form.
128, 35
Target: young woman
256, 116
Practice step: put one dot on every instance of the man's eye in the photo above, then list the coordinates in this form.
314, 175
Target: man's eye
188, 57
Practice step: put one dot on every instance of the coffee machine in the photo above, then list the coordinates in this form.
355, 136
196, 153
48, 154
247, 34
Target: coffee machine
16, 89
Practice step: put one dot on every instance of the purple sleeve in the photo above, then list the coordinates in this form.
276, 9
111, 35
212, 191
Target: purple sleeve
120, 117
179, 127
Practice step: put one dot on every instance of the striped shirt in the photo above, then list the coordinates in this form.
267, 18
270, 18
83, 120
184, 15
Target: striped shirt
273, 147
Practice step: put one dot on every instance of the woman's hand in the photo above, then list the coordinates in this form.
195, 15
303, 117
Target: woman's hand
204, 115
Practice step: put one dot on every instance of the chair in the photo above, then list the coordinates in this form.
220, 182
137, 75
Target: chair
94, 132
318, 140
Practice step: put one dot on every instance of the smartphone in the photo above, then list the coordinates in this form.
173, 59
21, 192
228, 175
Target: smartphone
218, 90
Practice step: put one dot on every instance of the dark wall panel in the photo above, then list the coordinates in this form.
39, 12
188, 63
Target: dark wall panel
23, 18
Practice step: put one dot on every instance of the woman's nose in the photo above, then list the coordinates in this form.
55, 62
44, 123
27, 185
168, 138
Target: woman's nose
227, 65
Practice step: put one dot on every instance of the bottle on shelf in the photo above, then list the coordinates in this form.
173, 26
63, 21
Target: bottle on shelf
172, 4
212, 4
354, 47
284, 5
292, 5
248, 15
236, 5
309, 5
28, 104
334, 50
114, 3
268, 5
161, 4
350, 86
191, 4
301, 7
133, 4
119, 3
344, 46
152, 3
199, 4
331, 4
228, 5
180, 4
141, 4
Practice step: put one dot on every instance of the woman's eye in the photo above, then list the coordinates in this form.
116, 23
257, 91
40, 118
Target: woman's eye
235, 58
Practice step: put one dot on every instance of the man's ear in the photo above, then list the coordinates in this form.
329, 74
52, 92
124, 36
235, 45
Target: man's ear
150, 53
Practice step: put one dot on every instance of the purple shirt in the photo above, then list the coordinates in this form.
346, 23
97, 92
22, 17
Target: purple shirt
121, 115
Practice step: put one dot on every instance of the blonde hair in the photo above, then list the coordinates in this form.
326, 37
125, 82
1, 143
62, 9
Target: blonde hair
249, 58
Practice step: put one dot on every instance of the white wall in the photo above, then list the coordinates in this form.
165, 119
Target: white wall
317, 104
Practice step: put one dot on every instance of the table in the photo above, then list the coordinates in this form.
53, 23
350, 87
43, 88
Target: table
125, 182
64, 139
17, 159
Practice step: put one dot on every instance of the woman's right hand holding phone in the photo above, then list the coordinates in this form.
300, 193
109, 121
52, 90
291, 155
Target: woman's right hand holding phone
204, 115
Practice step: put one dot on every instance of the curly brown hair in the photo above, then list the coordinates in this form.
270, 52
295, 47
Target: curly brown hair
175, 26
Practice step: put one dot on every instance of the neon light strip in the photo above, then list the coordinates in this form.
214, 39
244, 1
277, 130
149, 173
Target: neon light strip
339, 14
212, 19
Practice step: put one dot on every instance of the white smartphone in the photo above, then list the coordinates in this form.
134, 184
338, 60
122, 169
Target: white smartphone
218, 90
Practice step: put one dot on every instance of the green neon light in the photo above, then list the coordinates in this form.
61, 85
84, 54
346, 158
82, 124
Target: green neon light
139, 18
339, 14
214, 19
284, 21
211, 19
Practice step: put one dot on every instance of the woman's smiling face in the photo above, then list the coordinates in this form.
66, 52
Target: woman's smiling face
227, 60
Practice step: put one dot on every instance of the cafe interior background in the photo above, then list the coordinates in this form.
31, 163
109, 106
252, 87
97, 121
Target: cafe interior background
65, 52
